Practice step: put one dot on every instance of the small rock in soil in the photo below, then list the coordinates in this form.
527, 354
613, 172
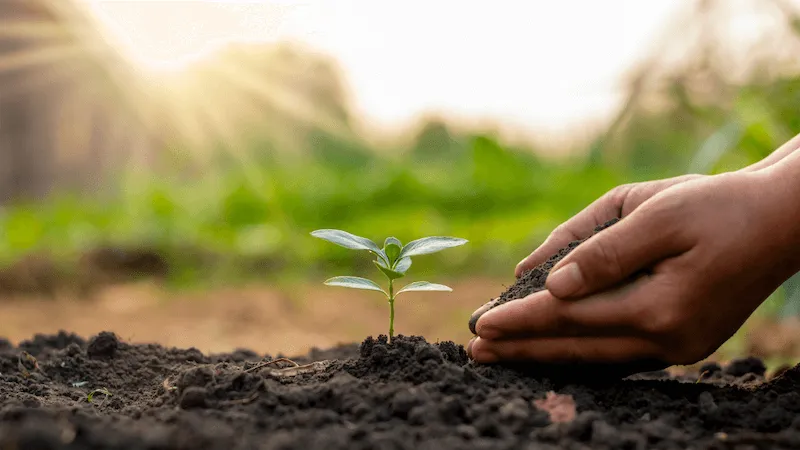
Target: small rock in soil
741, 367
193, 397
104, 345
196, 377
710, 368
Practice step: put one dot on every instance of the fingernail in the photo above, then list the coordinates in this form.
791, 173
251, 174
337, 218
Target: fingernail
484, 355
565, 281
473, 320
469, 347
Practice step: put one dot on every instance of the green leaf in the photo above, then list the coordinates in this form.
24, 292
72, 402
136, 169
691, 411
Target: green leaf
391, 274
393, 240
382, 258
403, 265
347, 240
392, 247
429, 245
355, 283
424, 286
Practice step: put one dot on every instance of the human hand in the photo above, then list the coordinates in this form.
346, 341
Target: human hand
671, 281
615, 204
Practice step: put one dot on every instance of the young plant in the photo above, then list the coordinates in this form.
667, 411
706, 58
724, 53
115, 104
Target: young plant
393, 260
104, 391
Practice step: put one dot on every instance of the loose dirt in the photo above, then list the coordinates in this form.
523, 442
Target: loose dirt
533, 280
408, 394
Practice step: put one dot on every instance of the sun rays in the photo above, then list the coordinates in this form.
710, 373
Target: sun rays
97, 105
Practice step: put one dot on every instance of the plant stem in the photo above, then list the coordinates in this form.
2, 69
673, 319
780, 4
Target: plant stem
391, 310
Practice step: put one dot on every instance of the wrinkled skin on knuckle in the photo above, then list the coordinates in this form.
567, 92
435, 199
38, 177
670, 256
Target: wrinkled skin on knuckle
661, 323
617, 197
664, 313
561, 231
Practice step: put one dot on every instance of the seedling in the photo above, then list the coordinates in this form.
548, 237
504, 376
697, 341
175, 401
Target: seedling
393, 260
104, 391
27, 363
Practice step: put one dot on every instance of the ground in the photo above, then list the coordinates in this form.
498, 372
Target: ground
65, 392
292, 320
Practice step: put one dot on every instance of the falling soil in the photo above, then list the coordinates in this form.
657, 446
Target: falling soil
377, 395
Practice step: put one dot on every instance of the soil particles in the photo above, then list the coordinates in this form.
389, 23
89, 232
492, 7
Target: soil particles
533, 280
64, 392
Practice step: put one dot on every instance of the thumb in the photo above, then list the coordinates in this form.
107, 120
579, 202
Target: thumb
611, 256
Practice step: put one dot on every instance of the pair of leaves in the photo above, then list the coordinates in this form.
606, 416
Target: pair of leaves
398, 271
396, 267
369, 285
389, 254
394, 259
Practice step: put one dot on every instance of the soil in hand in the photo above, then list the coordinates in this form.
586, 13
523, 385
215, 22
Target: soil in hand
407, 394
533, 280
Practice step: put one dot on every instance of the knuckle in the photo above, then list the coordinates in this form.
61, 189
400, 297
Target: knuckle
662, 323
560, 231
619, 194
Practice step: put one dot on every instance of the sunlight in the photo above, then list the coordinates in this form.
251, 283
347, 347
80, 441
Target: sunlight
381, 57
165, 36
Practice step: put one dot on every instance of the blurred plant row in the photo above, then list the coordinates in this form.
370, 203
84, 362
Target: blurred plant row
252, 218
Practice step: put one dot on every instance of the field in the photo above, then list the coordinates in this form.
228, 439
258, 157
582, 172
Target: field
160, 288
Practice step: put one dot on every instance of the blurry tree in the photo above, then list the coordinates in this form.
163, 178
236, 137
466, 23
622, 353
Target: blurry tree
704, 80
65, 100
435, 141
73, 110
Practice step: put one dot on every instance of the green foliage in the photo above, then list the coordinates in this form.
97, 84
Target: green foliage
393, 260
228, 222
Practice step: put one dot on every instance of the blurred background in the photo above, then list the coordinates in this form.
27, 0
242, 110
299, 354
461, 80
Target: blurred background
163, 162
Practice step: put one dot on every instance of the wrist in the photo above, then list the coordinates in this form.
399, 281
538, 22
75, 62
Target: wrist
775, 157
776, 192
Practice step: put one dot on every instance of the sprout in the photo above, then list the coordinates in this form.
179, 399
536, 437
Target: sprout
393, 260
104, 391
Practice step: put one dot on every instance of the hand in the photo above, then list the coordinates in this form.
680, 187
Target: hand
615, 204
671, 281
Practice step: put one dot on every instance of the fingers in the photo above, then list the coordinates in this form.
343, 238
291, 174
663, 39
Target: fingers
564, 350
612, 256
473, 319
617, 203
580, 226
543, 315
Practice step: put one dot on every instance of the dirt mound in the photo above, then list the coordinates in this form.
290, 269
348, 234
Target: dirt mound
404, 394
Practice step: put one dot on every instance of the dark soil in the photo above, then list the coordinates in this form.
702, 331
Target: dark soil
405, 395
533, 280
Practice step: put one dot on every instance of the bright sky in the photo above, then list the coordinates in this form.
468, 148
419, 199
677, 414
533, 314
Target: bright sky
537, 64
